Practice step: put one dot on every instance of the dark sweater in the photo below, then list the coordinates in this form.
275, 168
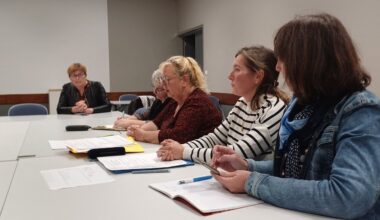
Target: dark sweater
157, 108
197, 117
95, 97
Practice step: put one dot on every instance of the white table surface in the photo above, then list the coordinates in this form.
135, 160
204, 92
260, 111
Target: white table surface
6, 174
12, 135
40, 132
128, 197
59, 117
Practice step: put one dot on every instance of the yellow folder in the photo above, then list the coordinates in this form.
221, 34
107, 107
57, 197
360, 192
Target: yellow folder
133, 148
130, 148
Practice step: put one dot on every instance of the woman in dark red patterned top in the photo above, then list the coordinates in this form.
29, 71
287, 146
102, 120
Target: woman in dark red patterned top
190, 114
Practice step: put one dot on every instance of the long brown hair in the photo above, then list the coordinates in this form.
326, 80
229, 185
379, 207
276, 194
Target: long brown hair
261, 58
320, 59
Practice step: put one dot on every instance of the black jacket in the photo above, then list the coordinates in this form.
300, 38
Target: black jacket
154, 110
94, 94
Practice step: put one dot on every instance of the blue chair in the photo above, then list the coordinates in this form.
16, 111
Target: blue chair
216, 102
127, 97
27, 109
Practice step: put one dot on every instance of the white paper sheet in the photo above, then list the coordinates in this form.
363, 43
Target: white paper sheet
137, 161
86, 144
75, 176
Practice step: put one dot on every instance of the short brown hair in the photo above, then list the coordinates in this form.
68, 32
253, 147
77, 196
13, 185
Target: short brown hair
320, 59
75, 67
261, 58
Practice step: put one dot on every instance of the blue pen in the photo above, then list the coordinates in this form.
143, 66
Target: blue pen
196, 179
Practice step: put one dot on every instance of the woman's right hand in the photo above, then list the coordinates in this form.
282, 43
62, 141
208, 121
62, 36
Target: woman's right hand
121, 123
233, 181
227, 159
79, 107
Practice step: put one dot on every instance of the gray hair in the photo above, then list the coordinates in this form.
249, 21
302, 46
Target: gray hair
157, 78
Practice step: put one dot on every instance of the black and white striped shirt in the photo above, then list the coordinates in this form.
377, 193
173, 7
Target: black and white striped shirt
250, 133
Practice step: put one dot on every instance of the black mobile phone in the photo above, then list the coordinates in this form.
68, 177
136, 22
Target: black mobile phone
104, 152
77, 127
212, 169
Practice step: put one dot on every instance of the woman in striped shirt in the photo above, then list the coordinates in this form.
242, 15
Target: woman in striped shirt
252, 125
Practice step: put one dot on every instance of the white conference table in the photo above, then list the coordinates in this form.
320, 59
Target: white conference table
39, 132
128, 197
7, 169
30, 118
24, 136
12, 137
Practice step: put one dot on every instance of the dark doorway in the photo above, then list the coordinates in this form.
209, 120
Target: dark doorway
192, 44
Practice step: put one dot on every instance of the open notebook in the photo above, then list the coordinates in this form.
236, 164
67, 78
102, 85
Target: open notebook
207, 196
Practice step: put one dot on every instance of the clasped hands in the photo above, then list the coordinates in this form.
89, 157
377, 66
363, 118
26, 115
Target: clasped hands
81, 107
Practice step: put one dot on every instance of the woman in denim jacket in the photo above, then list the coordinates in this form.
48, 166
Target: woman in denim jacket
327, 158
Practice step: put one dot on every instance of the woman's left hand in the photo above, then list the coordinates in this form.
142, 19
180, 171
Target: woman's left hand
136, 132
233, 181
89, 110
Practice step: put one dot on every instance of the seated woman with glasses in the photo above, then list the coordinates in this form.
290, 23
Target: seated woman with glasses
190, 114
161, 101
82, 95
251, 127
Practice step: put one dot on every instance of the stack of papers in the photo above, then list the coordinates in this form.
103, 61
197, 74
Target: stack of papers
132, 162
85, 144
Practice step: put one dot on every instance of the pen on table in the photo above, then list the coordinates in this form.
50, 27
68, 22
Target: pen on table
196, 179
150, 171
23, 156
123, 114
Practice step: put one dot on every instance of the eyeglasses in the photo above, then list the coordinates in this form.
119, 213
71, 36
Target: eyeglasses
78, 76
157, 90
167, 79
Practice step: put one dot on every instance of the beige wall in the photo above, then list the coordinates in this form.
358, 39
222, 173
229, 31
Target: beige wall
142, 33
229, 25
39, 39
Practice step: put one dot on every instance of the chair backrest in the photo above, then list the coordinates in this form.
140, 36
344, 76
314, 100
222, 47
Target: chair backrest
128, 97
216, 102
140, 107
147, 100
27, 109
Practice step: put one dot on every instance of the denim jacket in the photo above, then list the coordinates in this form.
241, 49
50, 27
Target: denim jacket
342, 181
